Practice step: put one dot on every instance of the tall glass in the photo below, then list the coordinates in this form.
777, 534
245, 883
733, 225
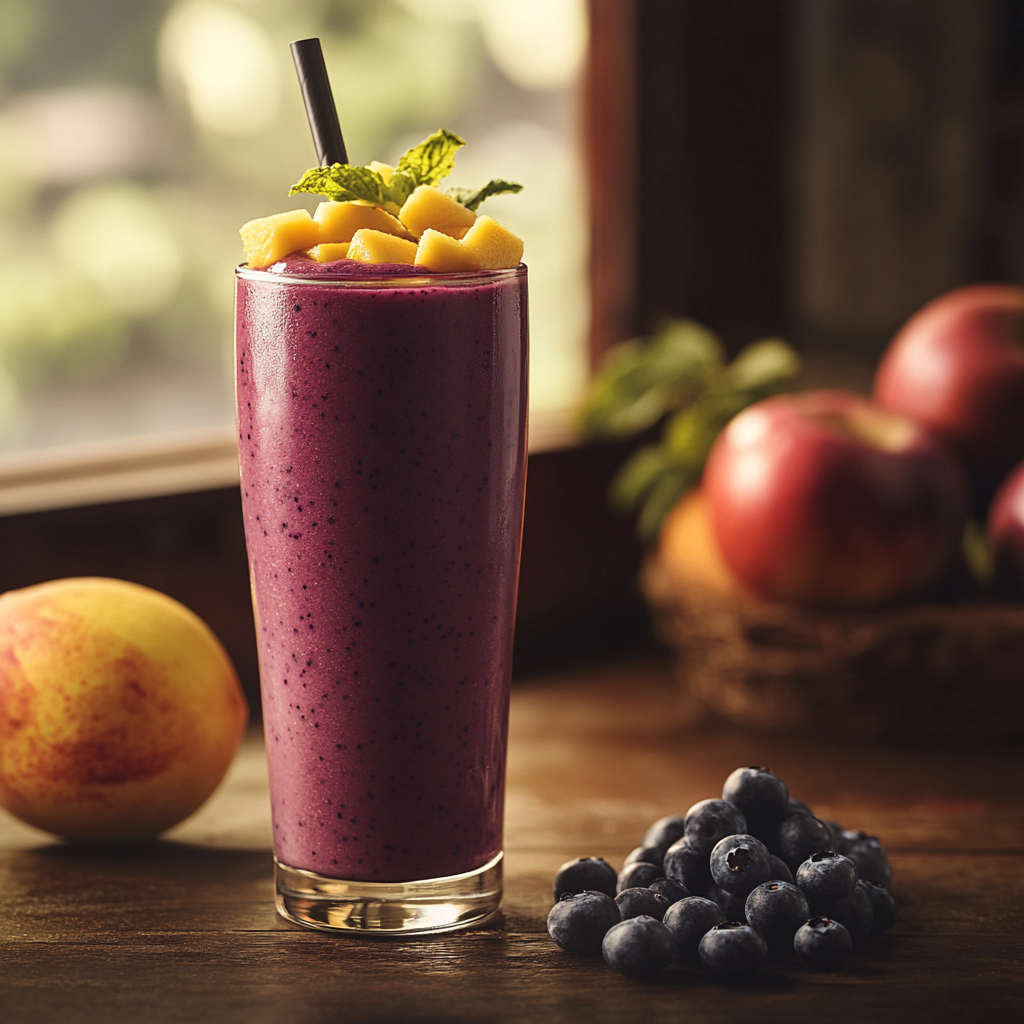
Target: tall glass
382, 448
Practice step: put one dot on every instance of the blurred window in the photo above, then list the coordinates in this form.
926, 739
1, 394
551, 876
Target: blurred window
136, 136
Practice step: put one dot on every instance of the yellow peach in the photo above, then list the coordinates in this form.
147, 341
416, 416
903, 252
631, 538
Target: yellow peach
120, 711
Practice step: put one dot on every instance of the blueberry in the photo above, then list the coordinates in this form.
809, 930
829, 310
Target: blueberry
689, 865
664, 832
739, 863
732, 950
867, 853
822, 944
734, 907
793, 806
711, 820
639, 948
584, 874
637, 874
672, 891
836, 832
777, 909
644, 855
640, 902
798, 836
883, 905
855, 912
780, 869
826, 878
578, 921
759, 793
689, 921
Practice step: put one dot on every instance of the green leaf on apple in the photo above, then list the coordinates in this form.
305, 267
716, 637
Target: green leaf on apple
679, 376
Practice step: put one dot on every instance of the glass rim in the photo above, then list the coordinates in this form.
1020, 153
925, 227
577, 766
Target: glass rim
461, 278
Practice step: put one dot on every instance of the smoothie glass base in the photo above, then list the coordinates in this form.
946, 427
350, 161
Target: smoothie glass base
388, 908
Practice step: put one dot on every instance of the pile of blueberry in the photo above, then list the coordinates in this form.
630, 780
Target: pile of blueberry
737, 880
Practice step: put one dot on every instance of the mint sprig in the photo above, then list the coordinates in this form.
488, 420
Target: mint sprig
471, 198
427, 163
680, 373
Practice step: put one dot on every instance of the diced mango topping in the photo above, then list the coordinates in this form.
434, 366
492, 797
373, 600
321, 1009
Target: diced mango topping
384, 170
328, 252
369, 246
447, 255
269, 239
493, 246
340, 221
429, 207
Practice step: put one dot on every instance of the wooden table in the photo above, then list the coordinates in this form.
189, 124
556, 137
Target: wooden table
185, 930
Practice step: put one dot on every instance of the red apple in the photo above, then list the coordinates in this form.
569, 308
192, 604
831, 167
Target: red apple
1006, 536
821, 498
957, 367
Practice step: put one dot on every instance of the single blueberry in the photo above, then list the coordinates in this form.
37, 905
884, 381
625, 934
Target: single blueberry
734, 907
671, 890
644, 855
759, 793
777, 909
732, 950
794, 806
855, 912
584, 874
780, 869
578, 921
708, 821
798, 836
636, 874
826, 878
664, 832
837, 831
867, 853
689, 921
739, 863
638, 948
689, 865
639, 901
822, 944
883, 905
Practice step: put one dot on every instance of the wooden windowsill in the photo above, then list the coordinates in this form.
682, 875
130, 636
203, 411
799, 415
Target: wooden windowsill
163, 464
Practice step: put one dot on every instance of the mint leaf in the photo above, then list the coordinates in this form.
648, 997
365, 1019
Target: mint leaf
400, 187
471, 198
433, 159
342, 182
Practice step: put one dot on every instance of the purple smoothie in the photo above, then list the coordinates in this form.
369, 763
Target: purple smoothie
382, 447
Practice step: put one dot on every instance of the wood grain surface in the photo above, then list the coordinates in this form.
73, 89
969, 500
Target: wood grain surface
185, 930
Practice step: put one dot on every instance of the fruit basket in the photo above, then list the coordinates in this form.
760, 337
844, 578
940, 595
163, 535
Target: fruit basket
923, 670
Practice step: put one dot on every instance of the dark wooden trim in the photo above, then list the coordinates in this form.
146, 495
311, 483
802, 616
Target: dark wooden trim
610, 148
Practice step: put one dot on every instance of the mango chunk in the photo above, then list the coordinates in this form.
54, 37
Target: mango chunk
369, 246
269, 239
384, 170
340, 221
429, 207
447, 255
493, 247
328, 252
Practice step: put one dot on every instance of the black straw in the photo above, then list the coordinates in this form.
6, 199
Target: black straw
319, 100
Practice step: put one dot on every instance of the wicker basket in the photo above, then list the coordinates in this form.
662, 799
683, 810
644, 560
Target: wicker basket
928, 670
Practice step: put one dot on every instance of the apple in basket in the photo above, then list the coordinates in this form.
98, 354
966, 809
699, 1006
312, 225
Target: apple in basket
957, 368
821, 498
